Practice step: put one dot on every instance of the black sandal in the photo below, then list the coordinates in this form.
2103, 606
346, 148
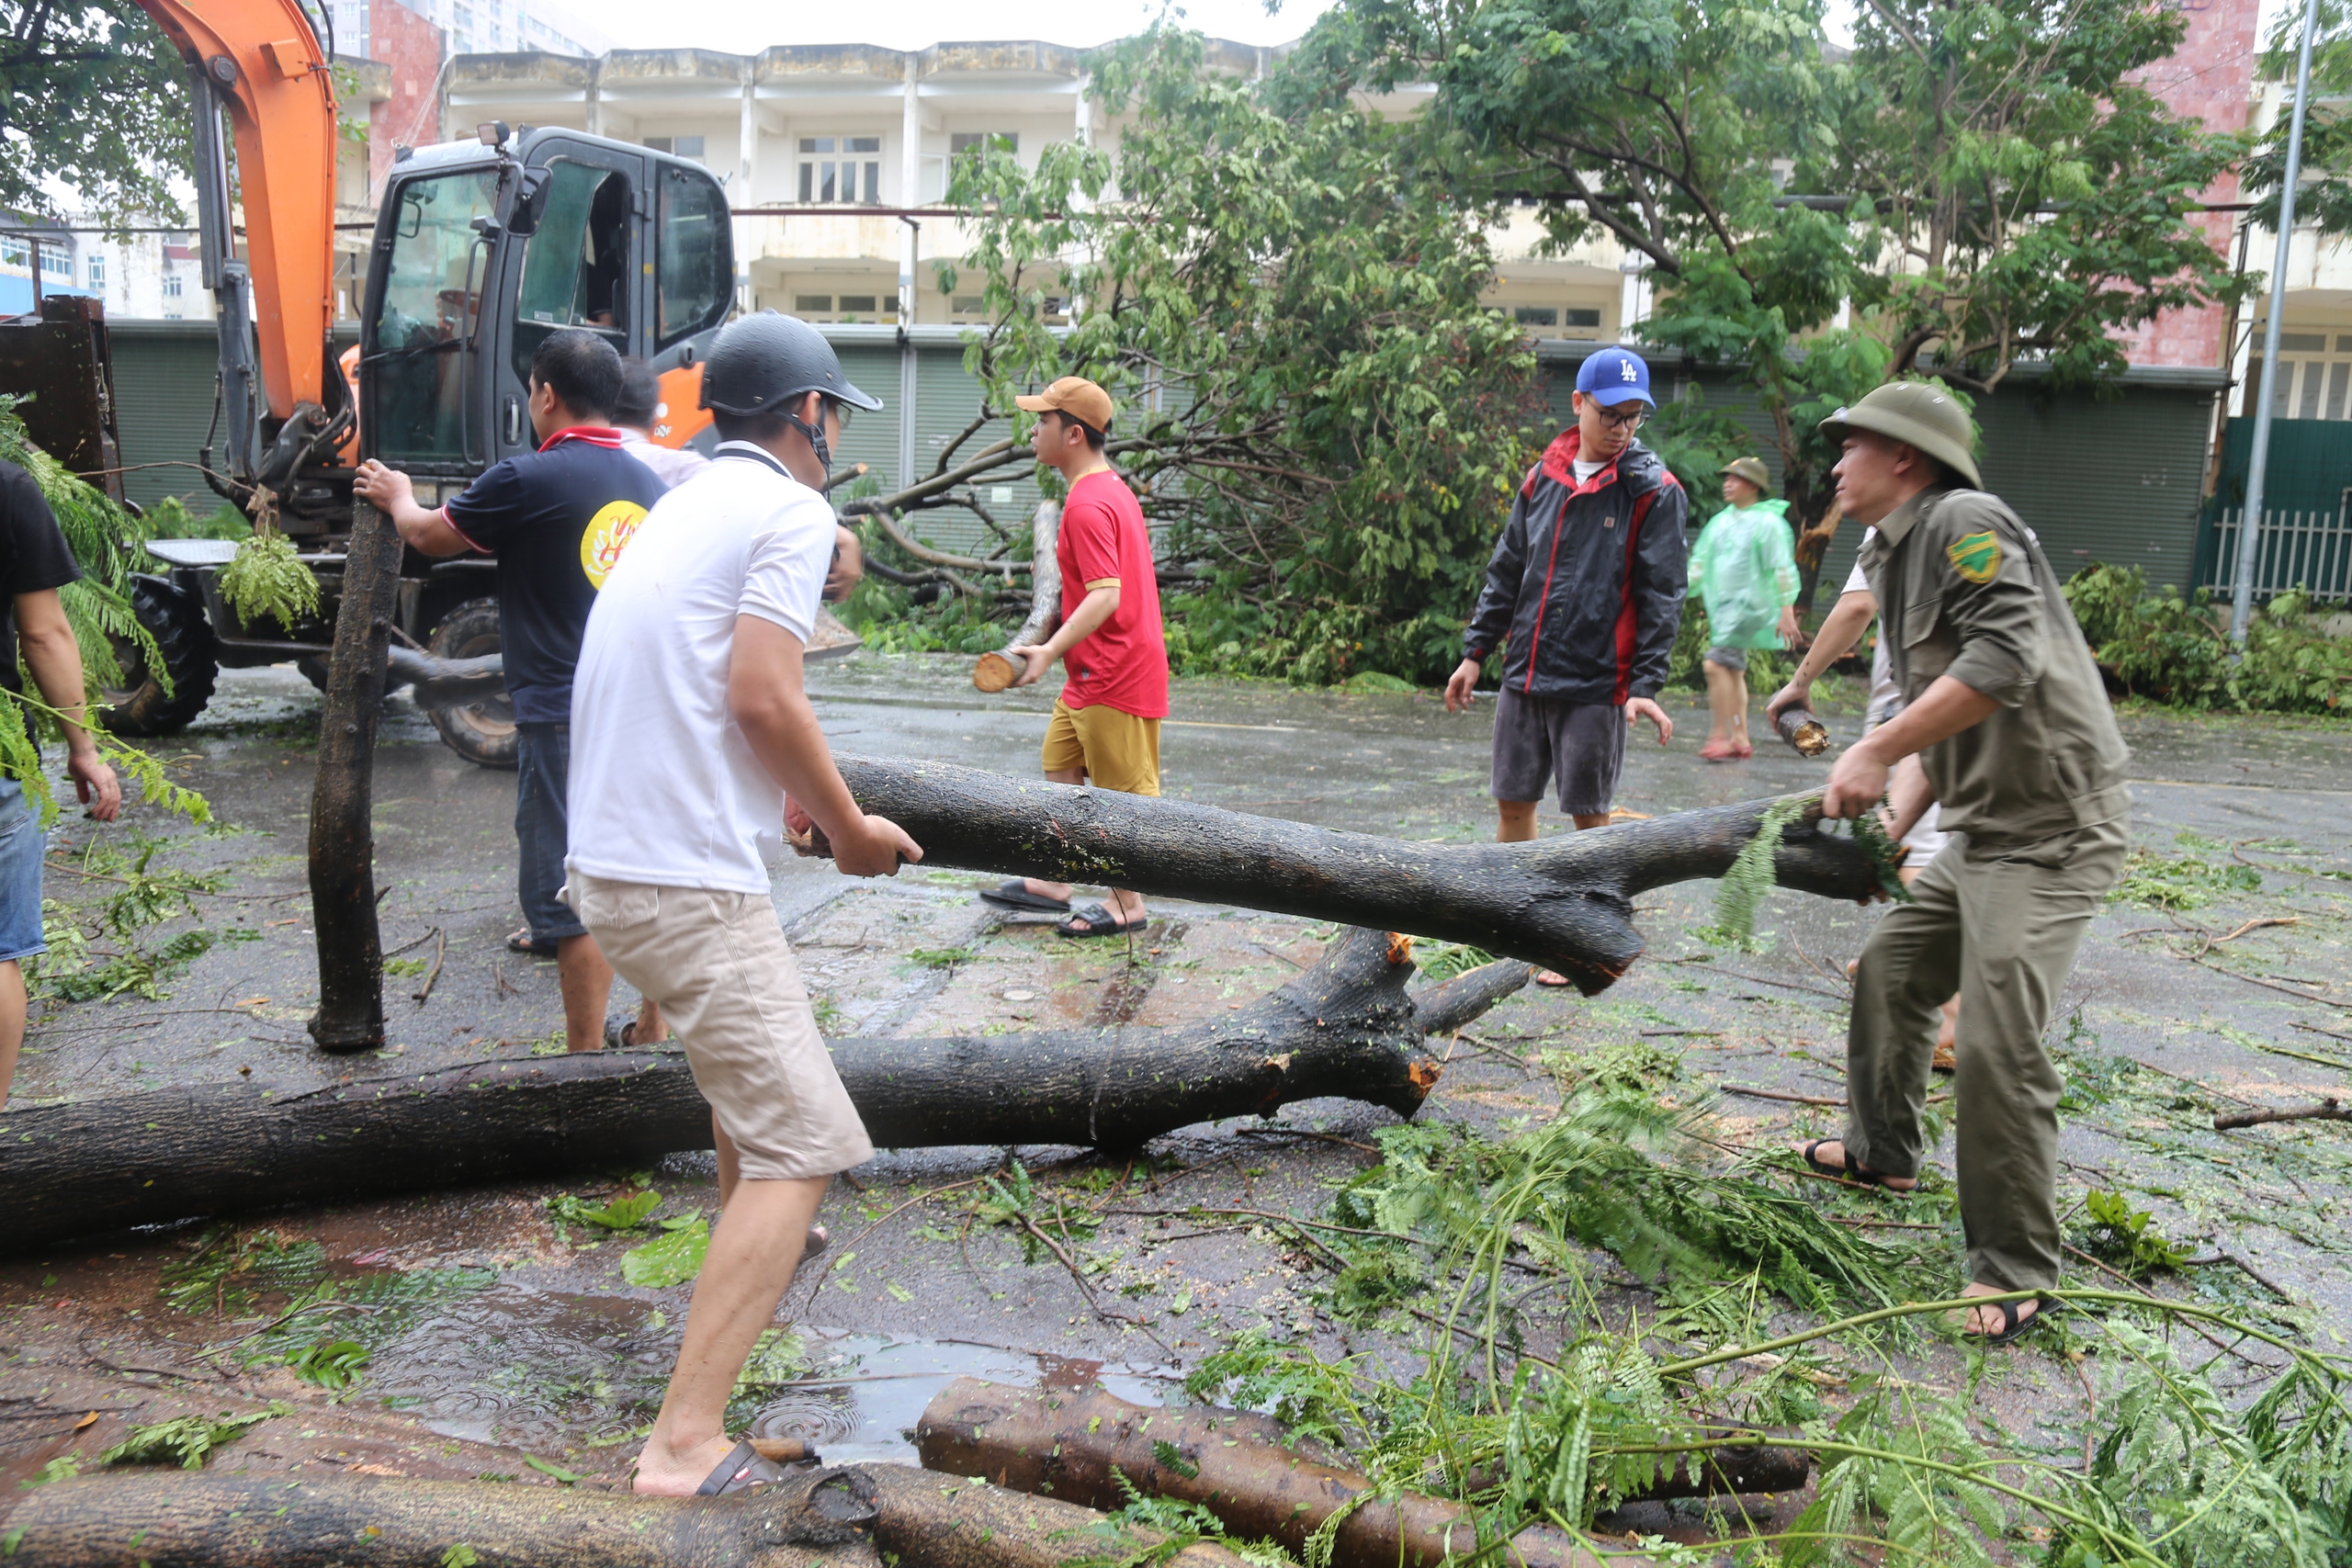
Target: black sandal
2013, 1322
1100, 921
740, 1471
524, 943
1015, 895
1855, 1172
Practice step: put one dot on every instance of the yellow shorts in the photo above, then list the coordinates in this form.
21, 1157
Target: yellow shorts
1114, 750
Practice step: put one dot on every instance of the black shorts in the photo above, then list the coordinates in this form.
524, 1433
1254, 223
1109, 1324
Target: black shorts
1583, 743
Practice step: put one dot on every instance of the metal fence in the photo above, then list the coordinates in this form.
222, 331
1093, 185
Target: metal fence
2307, 550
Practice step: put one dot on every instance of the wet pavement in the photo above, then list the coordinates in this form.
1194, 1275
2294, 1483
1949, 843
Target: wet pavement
504, 1341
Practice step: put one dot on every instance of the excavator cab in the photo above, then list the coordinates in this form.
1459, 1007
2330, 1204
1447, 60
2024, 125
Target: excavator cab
482, 251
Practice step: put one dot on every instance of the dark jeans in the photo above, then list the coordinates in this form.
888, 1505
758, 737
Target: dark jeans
542, 777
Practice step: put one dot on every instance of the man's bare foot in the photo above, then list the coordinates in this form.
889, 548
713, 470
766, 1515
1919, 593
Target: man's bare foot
661, 1472
1829, 1154
1551, 978
1994, 1322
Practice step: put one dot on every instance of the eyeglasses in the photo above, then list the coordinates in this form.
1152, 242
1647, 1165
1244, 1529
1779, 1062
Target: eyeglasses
1616, 421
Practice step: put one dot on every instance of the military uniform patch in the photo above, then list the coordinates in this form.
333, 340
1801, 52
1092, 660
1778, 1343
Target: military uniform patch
1976, 557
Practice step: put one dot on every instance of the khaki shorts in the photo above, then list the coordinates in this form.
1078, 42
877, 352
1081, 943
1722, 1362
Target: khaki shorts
1114, 750
718, 966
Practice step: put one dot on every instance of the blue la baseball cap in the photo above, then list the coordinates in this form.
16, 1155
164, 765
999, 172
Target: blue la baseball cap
1615, 375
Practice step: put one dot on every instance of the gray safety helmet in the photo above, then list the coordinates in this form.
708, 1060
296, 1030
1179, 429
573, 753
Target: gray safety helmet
759, 361
767, 362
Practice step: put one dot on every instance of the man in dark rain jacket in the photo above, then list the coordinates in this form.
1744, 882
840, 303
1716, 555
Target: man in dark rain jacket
1583, 598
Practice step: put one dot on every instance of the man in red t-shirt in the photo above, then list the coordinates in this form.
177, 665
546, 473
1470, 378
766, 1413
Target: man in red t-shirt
1106, 722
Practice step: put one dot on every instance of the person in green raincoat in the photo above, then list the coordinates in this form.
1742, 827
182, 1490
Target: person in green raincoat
1744, 567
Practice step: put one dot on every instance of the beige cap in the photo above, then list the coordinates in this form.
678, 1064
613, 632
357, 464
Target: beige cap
1750, 469
1918, 413
1076, 395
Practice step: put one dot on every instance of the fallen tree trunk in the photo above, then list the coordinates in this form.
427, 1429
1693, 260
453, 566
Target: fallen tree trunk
1565, 903
1346, 1027
1251, 1473
856, 1518
1076, 1445
995, 671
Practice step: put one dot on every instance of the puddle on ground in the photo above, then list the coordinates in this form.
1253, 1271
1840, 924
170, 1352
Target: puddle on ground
547, 1370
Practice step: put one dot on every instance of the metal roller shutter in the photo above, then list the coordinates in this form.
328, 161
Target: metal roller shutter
873, 437
164, 374
945, 400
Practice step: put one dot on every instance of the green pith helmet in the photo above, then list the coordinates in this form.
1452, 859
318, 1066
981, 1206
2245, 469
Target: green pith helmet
1751, 471
1918, 413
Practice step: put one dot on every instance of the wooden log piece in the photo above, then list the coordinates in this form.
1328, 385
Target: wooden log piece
995, 671
153, 1517
1074, 1444
1564, 902
1345, 1027
860, 1517
342, 834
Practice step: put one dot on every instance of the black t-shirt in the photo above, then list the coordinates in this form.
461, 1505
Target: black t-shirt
557, 520
33, 556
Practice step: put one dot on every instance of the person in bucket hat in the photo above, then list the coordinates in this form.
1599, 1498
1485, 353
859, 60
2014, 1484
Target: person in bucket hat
1744, 569
2007, 713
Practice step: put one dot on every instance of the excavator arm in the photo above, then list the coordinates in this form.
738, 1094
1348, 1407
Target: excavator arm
260, 61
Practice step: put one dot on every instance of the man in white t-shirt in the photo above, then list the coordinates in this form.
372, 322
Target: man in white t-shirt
1911, 800
690, 727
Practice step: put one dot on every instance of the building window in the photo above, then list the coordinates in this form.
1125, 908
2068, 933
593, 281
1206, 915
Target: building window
12, 252
970, 305
1536, 315
1577, 317
171, 286
98, 274
859, 305
812, 304
844, 169
2313, 383
56, 266
963, 142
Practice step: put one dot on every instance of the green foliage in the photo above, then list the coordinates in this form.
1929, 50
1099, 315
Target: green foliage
92, 98
627, 1212
228, 1275
2182, 883
332, 1364
2127, 1238
187, 1438
266, 581
940, 957
671, 1258
1320, 415
2156, 643
1751, 879
1442, 960
778, 1359
170, 519
1017, 1202
102, 949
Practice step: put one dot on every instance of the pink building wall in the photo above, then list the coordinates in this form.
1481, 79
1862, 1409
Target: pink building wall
2211, 76
411, 46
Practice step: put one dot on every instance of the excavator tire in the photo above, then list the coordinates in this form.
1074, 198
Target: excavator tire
482, 733
141, 705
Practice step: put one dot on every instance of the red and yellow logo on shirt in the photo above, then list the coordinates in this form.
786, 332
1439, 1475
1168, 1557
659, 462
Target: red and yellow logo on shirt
607, 535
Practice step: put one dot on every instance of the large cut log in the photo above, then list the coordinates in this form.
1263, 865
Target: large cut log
1088, 1446
1076, 1445
343, 833
1564, 902
856, 1518
1346, 1027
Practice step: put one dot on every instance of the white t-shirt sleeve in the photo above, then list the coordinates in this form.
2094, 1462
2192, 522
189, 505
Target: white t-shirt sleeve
785, 577
1855, 581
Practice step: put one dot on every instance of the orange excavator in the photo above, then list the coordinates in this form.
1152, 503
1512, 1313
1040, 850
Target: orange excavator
482, 248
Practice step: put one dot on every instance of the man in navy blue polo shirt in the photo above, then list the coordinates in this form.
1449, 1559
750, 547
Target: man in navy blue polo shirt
556, 519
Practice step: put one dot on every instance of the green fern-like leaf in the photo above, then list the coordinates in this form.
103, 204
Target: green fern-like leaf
266, 581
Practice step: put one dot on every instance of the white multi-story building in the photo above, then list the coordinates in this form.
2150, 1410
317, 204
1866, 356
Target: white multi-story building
837, 156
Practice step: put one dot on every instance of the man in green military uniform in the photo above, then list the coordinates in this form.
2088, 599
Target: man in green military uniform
2005, 710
